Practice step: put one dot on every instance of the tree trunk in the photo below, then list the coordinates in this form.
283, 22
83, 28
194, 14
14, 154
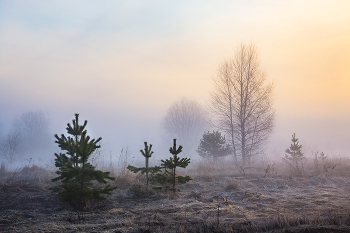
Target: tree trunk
147, 171
174, 180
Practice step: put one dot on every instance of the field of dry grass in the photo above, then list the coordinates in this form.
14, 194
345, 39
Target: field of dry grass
222, 197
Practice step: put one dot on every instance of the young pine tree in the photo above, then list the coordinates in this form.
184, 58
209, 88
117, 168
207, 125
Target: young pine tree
169, 176
75, 172
147, 153
213, 145
294, 154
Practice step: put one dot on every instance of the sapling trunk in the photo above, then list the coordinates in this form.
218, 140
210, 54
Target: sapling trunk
174, 179
147, 171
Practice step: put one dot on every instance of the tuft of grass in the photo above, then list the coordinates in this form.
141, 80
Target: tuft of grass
204, 171
232, 185
26, 177
35, 174
283, 221
123, 177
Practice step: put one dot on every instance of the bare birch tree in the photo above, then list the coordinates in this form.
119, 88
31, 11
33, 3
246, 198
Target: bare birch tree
33, 128
242, 103
185, 120
11, 146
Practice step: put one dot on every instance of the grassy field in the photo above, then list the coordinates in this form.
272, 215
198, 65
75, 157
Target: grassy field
222, 197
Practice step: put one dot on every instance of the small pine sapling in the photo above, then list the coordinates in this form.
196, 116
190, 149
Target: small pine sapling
294, 154
169, 176
147, 153
75, 172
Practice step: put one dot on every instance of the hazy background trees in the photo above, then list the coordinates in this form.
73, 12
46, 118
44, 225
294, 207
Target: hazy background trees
33, 127
11, 146
185, 120
241, 103
27, 138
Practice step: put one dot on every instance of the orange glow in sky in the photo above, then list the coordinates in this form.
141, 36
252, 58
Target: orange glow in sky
135, 58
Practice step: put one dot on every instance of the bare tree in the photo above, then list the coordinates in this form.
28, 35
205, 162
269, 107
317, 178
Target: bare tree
33, 128
11, 146
185, 120
242, 103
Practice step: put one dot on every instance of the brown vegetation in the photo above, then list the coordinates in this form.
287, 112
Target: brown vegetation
218, 199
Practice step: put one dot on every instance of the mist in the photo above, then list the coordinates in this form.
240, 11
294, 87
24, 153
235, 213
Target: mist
256, 92
122, 65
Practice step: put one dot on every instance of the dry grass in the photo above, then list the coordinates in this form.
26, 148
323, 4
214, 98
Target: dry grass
204, 170
220, 198
232, 185
30, 175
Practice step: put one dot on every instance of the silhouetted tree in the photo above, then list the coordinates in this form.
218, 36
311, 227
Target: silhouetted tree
294, 154
185, 120
75, 172
213, 145
242, 103
33, 129
294, 151
11, 146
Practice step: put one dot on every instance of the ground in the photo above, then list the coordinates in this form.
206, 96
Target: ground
243, 202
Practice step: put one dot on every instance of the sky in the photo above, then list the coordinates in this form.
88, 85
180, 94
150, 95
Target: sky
121, 64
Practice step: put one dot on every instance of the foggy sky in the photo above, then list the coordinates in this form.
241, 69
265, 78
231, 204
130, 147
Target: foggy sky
121, 64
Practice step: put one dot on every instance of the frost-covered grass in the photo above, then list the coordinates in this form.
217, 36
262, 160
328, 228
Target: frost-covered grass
221, 197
